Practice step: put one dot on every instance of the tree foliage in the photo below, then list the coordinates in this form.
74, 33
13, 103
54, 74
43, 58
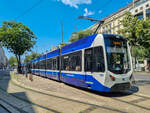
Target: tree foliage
81, 34
139, 53
136, 31
12, 61
32, 56
17, 38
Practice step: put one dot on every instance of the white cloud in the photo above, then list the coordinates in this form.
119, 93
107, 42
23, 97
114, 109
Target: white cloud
100, 11
87, 13
75, 3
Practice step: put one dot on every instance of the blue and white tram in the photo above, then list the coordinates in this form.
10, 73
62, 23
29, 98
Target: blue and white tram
100, 62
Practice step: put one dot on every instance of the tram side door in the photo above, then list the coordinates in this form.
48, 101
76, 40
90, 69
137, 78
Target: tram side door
94, 64
88, 65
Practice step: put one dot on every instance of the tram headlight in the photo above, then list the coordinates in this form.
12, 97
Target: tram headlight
112, 77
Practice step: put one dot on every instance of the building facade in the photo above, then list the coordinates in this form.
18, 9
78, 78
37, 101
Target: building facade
141, 9
112, 23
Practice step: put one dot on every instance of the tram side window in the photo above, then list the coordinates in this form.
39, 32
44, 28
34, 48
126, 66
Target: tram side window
49, 64
94, 59
34, 65
65, 63
88, 59
54, 64
37, 65
75, 61
58, 63
98, 60
42, 64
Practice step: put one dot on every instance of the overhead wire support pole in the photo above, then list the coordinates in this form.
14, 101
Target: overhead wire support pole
61, 32
61, 44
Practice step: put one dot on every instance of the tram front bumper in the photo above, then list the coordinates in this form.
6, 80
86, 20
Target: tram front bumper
120, 87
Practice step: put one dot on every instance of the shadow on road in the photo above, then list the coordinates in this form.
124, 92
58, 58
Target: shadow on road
5, 87
133, 90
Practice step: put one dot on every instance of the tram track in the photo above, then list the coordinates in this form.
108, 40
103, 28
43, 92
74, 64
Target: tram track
72, 100
91, 106
133, 102
103, 106
90, 93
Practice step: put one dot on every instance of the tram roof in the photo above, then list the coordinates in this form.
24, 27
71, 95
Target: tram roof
77, 45
113, 36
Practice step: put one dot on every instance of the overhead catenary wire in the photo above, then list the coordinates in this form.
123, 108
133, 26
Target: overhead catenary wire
29, 9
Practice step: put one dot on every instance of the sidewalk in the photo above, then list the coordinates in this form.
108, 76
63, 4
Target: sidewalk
142, 72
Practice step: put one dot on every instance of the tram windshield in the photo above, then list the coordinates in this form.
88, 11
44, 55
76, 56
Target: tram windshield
117, 55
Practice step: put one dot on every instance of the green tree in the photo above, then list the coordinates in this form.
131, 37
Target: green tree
139, 53
12, 61
137, 33
17, 38
32, 56
81, 34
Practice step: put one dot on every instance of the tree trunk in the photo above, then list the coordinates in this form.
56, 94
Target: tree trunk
19, 64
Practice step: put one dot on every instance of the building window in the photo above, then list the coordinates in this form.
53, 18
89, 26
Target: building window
109, 28
139, 16
106, 29
148, 13
103, 29
147, 5
118, 21
118, 27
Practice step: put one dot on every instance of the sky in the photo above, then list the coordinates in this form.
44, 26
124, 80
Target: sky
44, 17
